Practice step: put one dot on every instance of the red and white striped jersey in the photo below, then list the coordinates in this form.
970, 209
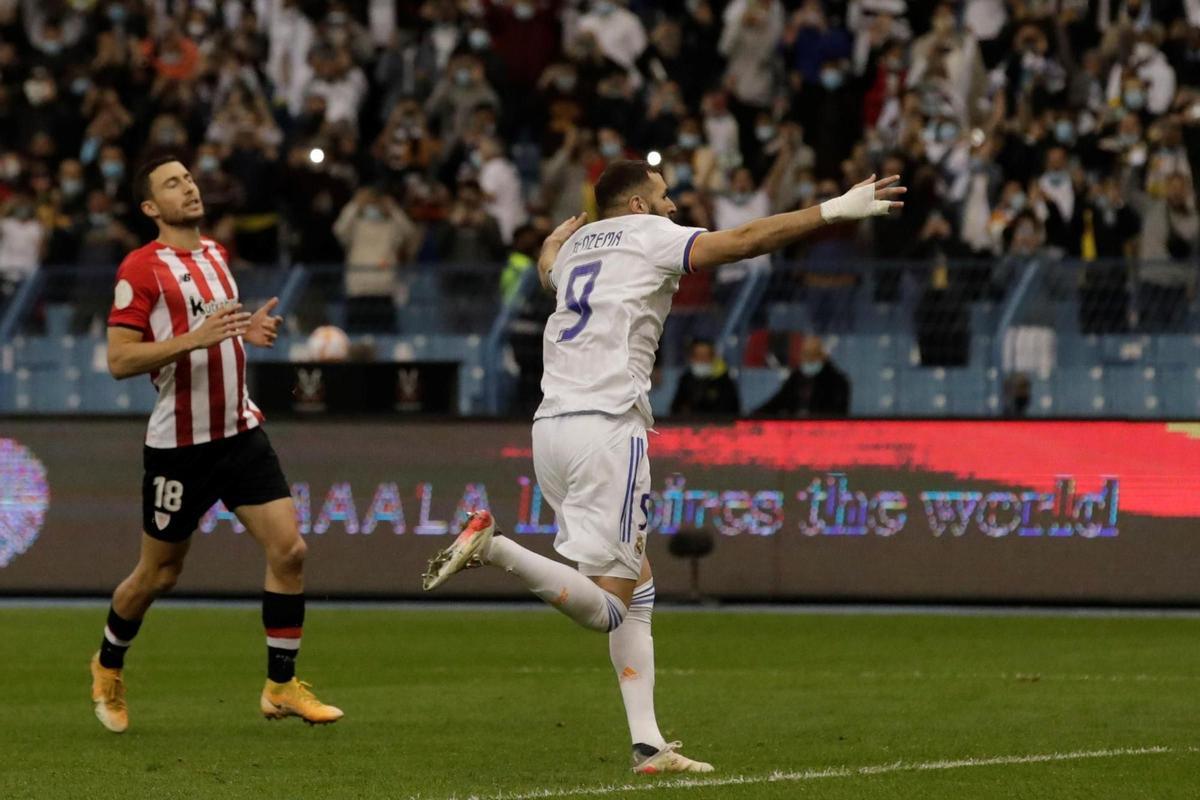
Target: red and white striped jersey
162, 292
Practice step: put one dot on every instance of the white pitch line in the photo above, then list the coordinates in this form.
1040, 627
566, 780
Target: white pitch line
815, 774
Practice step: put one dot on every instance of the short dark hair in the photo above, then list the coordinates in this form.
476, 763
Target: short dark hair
141, 181
616, 181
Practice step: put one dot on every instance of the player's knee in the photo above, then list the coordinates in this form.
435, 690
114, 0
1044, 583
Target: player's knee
165, 577
612, 616
289, 559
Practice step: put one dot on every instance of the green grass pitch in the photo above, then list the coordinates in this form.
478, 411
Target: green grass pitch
521, 704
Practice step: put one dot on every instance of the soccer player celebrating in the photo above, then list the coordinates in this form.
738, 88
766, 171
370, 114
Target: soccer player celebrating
176, 316
614, 279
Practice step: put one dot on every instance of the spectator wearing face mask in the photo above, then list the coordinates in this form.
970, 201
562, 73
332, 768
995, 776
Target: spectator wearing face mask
956, 53
501, 187
566, 189
705, 390
340, 83
290, 38
1104, 223
469, 235
742, 203
43, 112
751, 70
173, 56
525, 36
72, 186
111, 172
377, 237
1168, 248
815, 388
831, 113
616, 104
560, 104
694, 165
104, 239
1145, 82
461, 90
479, 42
64, 211
22, 240
809, 41
222, 192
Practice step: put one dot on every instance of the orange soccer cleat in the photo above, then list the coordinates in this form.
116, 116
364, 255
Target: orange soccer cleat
108, 696
295, 699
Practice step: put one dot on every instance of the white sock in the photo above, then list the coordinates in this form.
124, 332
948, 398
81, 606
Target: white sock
562, 587
631, 648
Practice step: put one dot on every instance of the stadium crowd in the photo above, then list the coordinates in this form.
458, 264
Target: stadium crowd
377, 133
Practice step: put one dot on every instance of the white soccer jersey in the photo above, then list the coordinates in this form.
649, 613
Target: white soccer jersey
614, 281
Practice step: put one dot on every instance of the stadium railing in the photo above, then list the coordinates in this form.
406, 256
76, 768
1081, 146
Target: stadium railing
1032, 336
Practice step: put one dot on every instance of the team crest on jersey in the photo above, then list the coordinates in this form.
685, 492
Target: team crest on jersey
201, 309
24, 497
162, 520
639, 546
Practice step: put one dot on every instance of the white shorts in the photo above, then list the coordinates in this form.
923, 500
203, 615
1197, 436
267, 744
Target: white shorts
594, 472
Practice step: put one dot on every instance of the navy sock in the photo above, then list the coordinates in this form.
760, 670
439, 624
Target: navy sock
283, 618
118, 636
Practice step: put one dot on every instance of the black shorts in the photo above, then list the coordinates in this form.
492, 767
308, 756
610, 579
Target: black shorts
181, 484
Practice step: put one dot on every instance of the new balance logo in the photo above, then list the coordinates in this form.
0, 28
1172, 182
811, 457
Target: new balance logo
187, 278
200, 309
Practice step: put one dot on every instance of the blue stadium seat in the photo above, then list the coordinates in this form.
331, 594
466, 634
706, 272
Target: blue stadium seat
1066, 317
422, 317
788, 317
1175, 350
982, 354
985, 317
923, 392
969, 393
7, 390
873, 390
58, 319
1041, 398
43, 351
258, 284
758, 385
904, 349
873, 351
1179, 391
423, 288
1079, 390
877, 318
1078, 351
1131, 391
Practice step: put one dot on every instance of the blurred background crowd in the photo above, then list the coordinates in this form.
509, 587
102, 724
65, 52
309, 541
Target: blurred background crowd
377, 134
387, 131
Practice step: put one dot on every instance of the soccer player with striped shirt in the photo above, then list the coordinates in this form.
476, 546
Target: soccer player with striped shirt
176, 317
614, 280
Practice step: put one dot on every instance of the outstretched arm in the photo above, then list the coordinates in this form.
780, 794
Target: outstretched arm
554, 243
870, 198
